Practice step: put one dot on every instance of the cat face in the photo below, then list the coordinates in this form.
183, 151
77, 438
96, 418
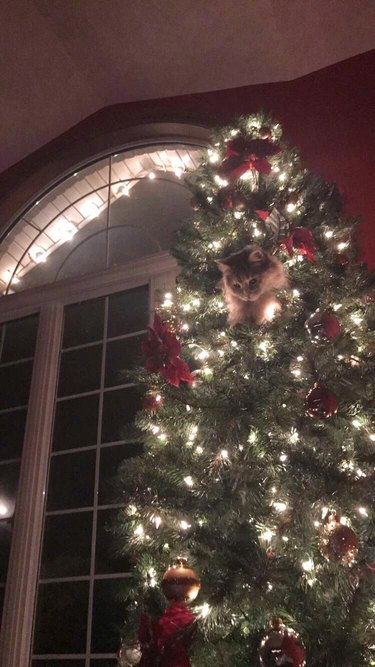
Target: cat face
251, 272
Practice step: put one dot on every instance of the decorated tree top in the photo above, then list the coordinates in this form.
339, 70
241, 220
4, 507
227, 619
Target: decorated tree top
262, 426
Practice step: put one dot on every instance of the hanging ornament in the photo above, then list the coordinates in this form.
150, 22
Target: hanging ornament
281, 646
265, 132
301, 240
338, 542
161, 350
320, 402
165, 642
129, 655
152, 401
232, 199
180, 582
323, 327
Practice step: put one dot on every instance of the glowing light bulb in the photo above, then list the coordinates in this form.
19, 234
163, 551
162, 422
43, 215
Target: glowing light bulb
271, 310
296, 293
139, 530
220, 181
267, 535
372, 437
283, 458
204, 610
291, 207
308, 565
213, 156
189, 480
224, 454
252, 437
356, 423
152, 176
199, 450
294, 437
282, 176
185, 525
363, 511
328, 234
280, 506
203, 355
157, 521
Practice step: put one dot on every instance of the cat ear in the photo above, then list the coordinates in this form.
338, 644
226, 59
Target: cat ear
223, 265
256, 255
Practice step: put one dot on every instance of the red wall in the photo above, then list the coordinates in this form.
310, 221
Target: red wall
329, 115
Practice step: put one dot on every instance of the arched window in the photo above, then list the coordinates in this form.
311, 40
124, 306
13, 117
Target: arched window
79, 268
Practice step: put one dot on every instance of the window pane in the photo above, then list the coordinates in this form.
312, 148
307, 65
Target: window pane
76, 423
20, 338
110, 460
106, 558
9, 474
109, 614
5, 542
110, 662
67, 545
12, 430
128, 312
80, 370
120, 356
119, 409
15, 384
71, 481
61, 618
84, 323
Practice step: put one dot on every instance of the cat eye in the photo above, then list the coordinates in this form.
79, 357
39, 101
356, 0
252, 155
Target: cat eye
252, 282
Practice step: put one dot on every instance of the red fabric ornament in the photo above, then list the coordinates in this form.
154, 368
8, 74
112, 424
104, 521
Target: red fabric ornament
320, 402
152, 401
165, 642
242, 155
323, 326
302, 240
337, 541
282, 646
161, 350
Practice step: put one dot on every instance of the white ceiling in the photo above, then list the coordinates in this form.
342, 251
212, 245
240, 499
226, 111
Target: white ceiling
62, 60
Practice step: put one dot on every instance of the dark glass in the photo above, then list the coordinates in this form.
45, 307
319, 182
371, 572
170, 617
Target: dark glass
80, 370
67, 545
71, 481
110, 460
9, 474
128, 311
61, 618
84, 323
58, 663
76, 423
119, 409
12, 430
109, 662
15, 384
20, 339
107, 559
5, 542
109, 615
121, 355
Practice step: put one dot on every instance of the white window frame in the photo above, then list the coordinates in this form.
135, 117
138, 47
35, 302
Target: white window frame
159, 271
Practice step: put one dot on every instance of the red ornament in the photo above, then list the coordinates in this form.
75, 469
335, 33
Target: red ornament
152, 401
161, 350
302, 240
242, 155
282, 646
323, 326
165, 642
232, 199
265, 132
180, 582
320, 402
338, 542
341, 260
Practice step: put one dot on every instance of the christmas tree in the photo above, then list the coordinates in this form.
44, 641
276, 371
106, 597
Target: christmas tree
259, 435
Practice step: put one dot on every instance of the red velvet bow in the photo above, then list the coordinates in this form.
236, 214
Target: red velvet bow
242, 155
302, 240
165, 643
161, 350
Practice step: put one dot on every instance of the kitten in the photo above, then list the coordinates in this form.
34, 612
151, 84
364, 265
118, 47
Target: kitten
249, 276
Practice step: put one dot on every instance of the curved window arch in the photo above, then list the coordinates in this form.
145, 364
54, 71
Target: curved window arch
116, 209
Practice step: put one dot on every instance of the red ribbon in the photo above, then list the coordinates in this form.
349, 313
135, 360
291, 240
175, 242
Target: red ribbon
242, 155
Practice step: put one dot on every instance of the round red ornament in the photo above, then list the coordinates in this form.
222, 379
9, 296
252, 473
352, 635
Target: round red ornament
152, 401
323, 327
338, 542
320, 402
180, 582
282, 646
232, 199
341, 260
265, 132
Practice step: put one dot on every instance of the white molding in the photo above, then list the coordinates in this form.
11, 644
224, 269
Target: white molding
87, 287
21, 586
